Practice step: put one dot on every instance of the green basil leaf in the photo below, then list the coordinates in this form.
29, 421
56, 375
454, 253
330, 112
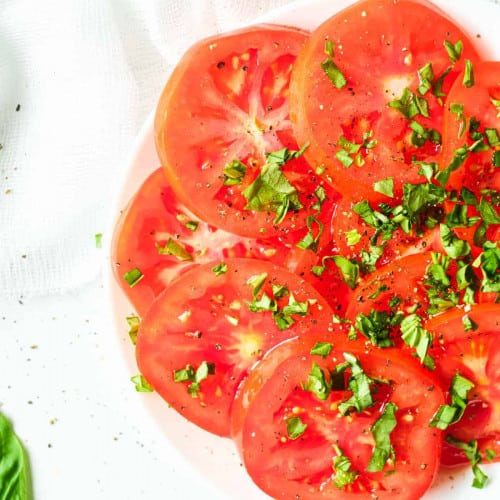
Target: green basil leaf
141, 384
295, 427
234, 173
344, 475
385, 186
454, 50
15, 477
322, 349
175, 249
133, 277
331, 69
381, 431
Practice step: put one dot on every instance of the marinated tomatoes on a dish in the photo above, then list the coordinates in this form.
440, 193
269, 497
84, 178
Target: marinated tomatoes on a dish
367, 92
213, 323
317, 261
467, 355
158, 238
323, 417
224, 137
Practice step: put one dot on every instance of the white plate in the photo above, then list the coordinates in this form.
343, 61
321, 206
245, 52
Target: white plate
213, 458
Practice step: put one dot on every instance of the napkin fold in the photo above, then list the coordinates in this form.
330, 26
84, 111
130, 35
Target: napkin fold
78, 78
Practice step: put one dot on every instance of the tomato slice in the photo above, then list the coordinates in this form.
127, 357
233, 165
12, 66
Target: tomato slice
204, 319
287, 465
473, 114
479, 103
379, 49
474, 354
227, 101
161, 238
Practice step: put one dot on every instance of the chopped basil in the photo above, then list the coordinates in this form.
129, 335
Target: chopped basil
296, 307
15, 477
98, 240
348, 269
437, 86
490, 266
283, 156
344, 475
490, 454
220, 269
440, 294
496, 103
474, 456
234, 173
343, 156
492, 137
451, 414
468, 79
469, 324
468, 197
271, 191
425, 75
459, 157
192, 225
133, 327
317, 383
175, 249
310, 240
352, 237
257, 282
385, 186
331, 69
488, 212
279, 291
282, 317
454, 50
381, 431
458, 217
458, 109
189, 374
141, 384
410, 105
295, 427
415, 335
322, 349
452, 244
133, 277
377, 325
420, 135
359, 383
496, 159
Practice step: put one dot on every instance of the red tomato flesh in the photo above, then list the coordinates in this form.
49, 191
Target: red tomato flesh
155, 219
379, 48
302, 468
204, 317
228, 100
476, 356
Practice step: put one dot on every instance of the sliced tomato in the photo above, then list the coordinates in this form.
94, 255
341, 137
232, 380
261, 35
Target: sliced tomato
379, 49
287, 465
471, 114
474, 354
226, 101
161, 238
204, 319
479, 102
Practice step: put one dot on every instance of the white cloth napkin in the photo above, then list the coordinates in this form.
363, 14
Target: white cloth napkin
77, 79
